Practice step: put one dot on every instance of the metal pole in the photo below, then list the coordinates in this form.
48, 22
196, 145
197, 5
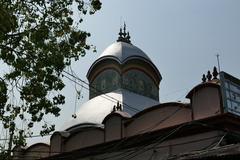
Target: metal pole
219, 70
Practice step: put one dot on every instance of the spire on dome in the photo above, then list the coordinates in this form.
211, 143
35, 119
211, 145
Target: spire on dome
124, 36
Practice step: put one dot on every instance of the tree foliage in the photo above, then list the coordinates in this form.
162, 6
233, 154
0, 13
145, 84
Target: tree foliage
38, 40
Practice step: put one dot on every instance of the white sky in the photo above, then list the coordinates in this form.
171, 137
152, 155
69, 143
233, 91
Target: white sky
181, 37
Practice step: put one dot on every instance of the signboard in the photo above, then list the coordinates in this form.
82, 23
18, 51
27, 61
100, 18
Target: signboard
230, 87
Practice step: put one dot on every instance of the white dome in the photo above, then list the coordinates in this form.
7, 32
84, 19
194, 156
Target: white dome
95, 110
122, 51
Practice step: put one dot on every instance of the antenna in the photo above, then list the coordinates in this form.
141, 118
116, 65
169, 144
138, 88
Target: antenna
121, 19
217, 55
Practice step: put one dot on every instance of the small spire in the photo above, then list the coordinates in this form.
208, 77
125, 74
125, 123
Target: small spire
117, 107
128, 37
124, 30
114, 109
120, 38
204, 78
120, 33
209, 76
123, 35
74, 116
215, 72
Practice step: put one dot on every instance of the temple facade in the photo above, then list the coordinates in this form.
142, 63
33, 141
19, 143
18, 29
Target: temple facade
124, 118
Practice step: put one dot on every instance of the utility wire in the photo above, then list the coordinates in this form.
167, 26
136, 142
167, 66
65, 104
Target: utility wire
104, 96
160, 122
101, 92
160, 140
135, 110
116, 145
139, 134
149, 129
138, 150
177, 144
147, 147
112, 99
34, 136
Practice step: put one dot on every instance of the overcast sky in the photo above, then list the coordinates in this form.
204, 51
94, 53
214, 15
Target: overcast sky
182, 37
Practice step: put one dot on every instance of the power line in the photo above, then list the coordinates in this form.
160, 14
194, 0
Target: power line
113, 147
142, 149
34, 136
139, 134
101, 92
135, 152
135, 110
138, 150
107, 96
176, 144
159, 141
160, 122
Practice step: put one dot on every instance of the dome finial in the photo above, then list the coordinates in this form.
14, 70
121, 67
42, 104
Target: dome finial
124, 36
124, 30
215, 72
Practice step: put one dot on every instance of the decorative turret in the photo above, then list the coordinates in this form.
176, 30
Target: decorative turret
215, 73
124, 36
209, 76
124, 66
123, 79
204, 78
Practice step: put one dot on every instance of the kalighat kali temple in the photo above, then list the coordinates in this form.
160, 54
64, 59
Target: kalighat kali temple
124, 119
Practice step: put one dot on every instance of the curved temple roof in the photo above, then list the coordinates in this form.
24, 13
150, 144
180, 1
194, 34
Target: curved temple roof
95, 110
122, 51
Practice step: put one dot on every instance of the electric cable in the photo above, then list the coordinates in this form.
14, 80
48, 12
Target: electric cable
99, 91
116, 145
142, 149
140, 133
34, 136
104, 95
188, 142
159, 141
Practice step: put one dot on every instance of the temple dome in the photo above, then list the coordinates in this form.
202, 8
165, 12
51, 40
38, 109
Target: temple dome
95, 110
123, 78
123, 51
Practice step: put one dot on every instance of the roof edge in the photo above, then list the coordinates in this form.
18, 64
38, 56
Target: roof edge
200, 86
99, 60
